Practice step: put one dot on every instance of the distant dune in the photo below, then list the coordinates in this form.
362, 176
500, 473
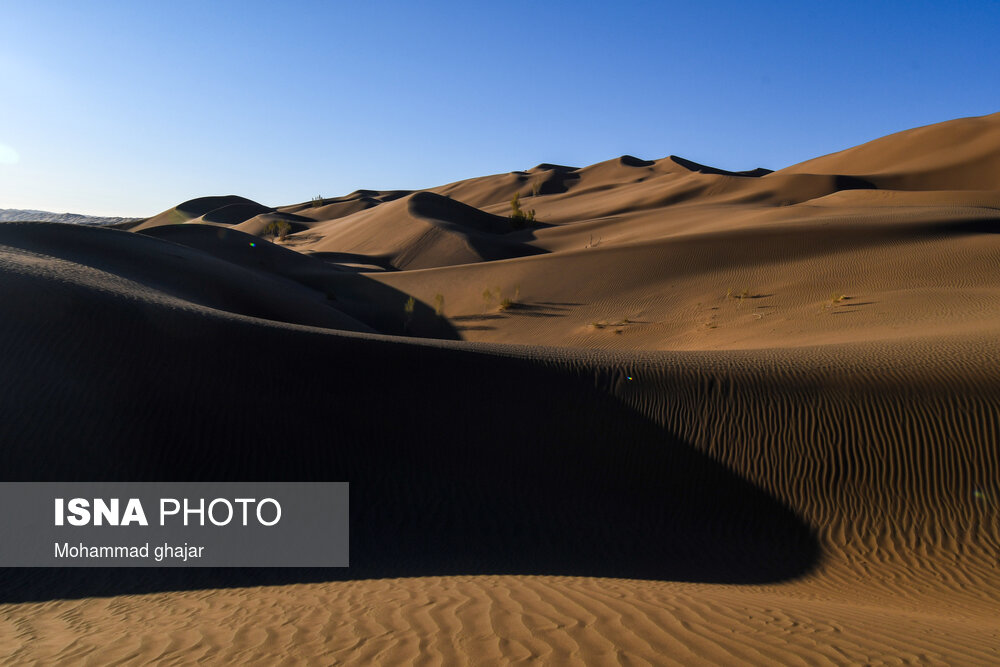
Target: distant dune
30, 215
683, 415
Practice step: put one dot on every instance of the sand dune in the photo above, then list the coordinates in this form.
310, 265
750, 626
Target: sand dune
422, 230
33, 215
690, 416
227, 209
957, 155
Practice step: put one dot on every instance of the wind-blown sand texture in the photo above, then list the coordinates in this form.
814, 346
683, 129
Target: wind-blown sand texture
691, 416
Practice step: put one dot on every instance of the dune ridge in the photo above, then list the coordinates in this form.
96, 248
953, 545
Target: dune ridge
689, 416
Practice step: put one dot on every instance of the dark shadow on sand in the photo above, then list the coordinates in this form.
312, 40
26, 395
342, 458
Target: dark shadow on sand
339, 258
459, 463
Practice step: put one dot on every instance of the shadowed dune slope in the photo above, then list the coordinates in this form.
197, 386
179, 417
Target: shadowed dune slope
649, 431
328, 208
418, 231
690, 415
268, 224
704, 169
227, 209
119, 263
270, 393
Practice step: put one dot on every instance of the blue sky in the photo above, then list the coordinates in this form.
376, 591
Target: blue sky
128, 108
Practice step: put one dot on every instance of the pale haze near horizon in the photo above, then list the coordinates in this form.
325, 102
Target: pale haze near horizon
126, 110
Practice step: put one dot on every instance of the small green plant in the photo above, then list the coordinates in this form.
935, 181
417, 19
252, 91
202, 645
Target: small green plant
318, 201
506, 302
408, 309
278, 229
487, 298
503, 302
603, 324
836, 298
536, 189
741, 295
520, 218
439, 305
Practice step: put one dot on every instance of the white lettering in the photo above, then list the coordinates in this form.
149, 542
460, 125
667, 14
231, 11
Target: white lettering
211, 513
200, 511
277, 511
134, 513
79, 512
163, 509
104, 512
244, 502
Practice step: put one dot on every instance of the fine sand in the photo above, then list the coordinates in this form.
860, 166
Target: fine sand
687, 416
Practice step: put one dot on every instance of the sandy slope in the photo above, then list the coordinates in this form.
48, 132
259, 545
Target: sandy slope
748, 417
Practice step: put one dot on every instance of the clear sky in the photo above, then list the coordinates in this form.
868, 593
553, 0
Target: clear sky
128, 108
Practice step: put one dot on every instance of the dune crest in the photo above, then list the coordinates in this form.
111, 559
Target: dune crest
959, 154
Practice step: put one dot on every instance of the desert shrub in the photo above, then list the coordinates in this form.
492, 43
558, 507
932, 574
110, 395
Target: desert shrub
409, 308
278, 229
836, 299
520, 218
